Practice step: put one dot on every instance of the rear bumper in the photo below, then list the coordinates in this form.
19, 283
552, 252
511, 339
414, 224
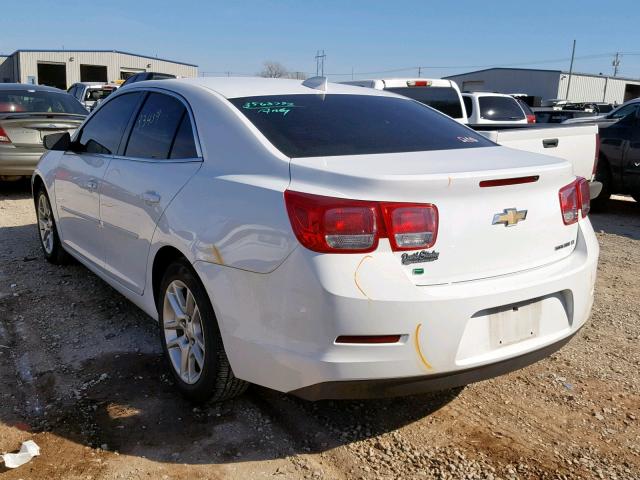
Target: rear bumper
280, 329
594, 189
396, 387
19, 161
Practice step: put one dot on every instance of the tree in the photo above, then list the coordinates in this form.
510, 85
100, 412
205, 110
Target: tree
273, 70
277, 70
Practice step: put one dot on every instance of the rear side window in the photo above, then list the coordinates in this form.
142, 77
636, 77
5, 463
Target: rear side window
314, 125
443, 99
157, 126
468, 105
103, 132
500, 108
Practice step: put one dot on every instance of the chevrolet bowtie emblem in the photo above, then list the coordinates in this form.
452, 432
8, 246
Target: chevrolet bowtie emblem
509, 217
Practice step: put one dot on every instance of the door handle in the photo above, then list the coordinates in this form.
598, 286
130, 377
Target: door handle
550, 142
91, 184
150, 198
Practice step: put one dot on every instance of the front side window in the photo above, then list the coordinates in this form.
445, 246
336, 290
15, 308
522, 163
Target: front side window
623, 111
500, 109
102, 132
443, 99
95, 94
313, 125
160, 130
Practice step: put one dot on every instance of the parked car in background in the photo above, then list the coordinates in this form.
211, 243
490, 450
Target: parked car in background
90, 94
619, 162
366, 245
493, 108
27, 114
551, 115
611, 117
443, 95
139, 77
592, 107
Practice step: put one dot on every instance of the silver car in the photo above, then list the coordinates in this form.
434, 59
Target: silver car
27, 114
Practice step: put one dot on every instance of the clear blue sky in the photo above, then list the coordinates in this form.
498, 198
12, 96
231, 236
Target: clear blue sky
237, 36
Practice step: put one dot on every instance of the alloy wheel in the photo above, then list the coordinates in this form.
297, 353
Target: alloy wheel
45, 224
183, 334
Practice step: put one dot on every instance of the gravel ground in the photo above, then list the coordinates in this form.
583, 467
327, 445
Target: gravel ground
82, 375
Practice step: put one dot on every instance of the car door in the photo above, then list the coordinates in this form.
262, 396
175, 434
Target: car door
156, 161
80, 172
614, 142
631, 175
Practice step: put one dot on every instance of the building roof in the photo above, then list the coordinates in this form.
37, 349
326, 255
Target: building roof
564, 72
66, 50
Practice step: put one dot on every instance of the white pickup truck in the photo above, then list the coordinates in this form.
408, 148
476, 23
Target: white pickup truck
577, 144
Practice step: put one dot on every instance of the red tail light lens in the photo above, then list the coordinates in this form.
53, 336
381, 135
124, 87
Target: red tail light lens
337, 225
325, 224
584, 196
531, 119
4, 138
569, 203
574, 197
410, 226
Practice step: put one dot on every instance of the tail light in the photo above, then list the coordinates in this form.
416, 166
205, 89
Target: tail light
337, 225
4, 138
574, 197
419, 83
584, 196
595, 161
531, 119
410, 226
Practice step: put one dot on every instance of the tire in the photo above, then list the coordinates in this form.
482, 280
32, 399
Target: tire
603, 175
190, 338
48, 231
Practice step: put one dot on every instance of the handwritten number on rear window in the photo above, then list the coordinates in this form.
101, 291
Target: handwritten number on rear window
271, 107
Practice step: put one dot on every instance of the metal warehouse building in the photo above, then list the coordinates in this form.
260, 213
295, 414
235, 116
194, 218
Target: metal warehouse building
62, 68
550, 84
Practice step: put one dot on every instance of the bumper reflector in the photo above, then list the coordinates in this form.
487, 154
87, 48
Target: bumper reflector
368, 339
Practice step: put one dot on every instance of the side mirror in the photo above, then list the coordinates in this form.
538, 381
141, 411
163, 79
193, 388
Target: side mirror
57, 141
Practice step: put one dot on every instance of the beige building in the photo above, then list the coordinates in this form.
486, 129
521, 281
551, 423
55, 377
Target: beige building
63, 68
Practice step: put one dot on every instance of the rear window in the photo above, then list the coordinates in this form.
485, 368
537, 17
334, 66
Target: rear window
326, 125
443, 99
34, 101
95, 94
500, 108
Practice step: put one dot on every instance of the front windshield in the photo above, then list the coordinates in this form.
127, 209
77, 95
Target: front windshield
38, 101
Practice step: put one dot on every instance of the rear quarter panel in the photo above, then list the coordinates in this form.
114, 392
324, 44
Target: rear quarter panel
232, 211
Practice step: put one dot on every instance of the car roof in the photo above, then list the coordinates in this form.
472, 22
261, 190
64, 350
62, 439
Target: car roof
486, 94
28, 86
234, 87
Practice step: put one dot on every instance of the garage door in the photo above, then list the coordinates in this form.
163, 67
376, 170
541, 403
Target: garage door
53, 75
93, 73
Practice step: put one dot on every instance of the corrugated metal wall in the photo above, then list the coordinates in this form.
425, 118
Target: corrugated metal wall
115, 63
541, 83
585, 88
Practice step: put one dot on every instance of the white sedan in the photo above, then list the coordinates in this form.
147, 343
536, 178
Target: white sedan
320, 239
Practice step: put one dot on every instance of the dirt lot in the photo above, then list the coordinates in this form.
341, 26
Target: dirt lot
81, 374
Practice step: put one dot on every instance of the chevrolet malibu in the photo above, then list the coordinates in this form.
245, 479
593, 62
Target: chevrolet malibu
319, 239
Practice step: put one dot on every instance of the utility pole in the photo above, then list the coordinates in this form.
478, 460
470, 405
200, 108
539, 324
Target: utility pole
320, 56
351, 73
616, 63
419, 71
573, 54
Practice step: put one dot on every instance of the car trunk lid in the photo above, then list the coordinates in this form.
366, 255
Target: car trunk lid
28, 130
484, 231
